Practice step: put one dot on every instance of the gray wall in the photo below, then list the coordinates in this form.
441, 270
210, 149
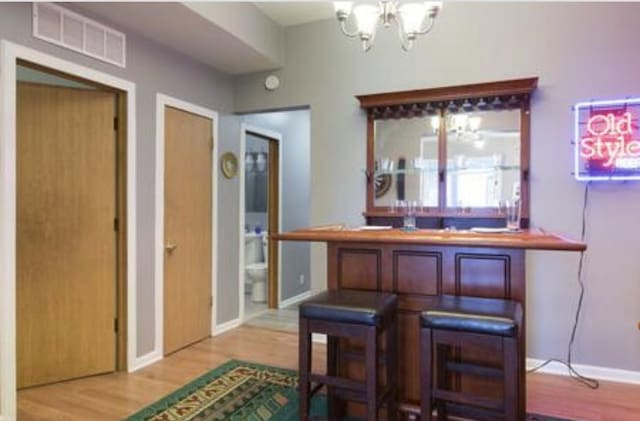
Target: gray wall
580, 51
153, 69
228, 225
294, 128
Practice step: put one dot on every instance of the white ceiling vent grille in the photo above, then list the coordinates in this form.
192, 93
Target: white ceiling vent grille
62, 27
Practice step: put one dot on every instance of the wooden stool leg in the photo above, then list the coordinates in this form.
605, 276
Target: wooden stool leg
333, 405
391, 346
371, 362
511, 376
443, 377
304, 362
426, 374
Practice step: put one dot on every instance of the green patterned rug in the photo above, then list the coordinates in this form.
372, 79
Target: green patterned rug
240, 391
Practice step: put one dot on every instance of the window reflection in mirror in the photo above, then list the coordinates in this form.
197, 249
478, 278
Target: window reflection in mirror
406, 157
483, 158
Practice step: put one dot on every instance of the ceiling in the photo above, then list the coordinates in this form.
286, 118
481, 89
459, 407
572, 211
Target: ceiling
296, 12
232, 36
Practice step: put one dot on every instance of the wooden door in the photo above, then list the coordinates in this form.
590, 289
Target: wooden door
66, 243
274, 221
187, 229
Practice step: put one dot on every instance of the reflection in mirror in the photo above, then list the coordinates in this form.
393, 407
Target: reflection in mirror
483, 158
406, 156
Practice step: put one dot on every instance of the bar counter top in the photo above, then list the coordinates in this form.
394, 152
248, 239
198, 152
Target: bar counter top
530, 239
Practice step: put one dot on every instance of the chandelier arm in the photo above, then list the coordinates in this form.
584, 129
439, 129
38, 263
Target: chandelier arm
405, 42
426, 29
345, 31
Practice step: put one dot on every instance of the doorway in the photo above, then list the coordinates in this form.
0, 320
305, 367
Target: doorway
260, 204
10, 56
68, 244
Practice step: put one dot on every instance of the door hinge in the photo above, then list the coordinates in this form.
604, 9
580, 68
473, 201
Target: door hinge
116, 224
211, 143
211, 301
115, 325
115, 123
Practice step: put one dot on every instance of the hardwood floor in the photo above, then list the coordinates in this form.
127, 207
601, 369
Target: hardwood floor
114, 396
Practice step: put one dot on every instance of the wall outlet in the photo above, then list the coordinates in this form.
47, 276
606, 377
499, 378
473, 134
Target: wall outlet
301, 279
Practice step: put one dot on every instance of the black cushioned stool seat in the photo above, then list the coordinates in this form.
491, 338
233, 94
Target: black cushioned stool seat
469, 314
355, 315
458, 321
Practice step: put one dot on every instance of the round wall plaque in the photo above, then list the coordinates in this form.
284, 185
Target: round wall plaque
229, 165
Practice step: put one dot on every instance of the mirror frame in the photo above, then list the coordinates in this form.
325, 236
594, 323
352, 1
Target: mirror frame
507, 94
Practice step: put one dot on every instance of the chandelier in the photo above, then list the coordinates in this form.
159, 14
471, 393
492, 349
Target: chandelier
409, 17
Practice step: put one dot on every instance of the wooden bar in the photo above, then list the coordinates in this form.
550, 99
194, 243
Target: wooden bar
529, 239
420, 265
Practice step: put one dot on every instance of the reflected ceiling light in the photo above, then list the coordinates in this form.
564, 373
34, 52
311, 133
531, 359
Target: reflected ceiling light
464, 126
412, 19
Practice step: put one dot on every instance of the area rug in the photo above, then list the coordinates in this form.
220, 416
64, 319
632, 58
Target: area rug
241, 391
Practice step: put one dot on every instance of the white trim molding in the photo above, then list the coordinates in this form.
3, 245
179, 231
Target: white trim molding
10, 53
145, 360
163, 101
595, 372
227, 326
241, 210
296, 299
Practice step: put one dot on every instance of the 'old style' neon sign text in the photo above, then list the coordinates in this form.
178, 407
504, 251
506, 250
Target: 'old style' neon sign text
609, 140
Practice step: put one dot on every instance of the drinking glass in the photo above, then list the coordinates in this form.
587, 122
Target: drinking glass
512, 215
409, 221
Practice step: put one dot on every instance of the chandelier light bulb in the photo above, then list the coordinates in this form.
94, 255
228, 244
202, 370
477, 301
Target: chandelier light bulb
411, 16
435, 124
367, 16
343, 9
474, 123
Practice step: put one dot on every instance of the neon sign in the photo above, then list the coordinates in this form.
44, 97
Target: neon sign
607, 140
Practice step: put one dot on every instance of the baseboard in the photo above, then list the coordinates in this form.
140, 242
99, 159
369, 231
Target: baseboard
226, 326
296, 299
600, 373
145, 360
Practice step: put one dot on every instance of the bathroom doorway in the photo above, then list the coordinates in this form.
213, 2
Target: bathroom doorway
260, 185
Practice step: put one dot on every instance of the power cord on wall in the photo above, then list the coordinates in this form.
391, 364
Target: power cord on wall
573, 373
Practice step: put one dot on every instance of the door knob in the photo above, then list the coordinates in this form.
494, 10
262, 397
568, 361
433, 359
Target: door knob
171, 247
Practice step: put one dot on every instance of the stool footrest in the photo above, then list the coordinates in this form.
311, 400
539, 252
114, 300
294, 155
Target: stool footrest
339, 382
479, 414
315, 389
351, 395
468, 399
359, 356
475, 370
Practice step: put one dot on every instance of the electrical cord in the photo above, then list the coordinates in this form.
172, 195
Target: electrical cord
573, 373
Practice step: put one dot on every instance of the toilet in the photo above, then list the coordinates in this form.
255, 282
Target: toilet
256, 266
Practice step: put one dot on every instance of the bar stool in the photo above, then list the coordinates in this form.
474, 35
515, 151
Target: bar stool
362, 315
491, 324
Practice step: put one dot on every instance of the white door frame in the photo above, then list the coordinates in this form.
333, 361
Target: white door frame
9, 55
241, 178
163, 101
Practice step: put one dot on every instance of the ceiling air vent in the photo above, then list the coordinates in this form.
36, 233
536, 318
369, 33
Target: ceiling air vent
62, 27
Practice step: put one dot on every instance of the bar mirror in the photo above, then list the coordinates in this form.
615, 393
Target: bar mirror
455, 152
